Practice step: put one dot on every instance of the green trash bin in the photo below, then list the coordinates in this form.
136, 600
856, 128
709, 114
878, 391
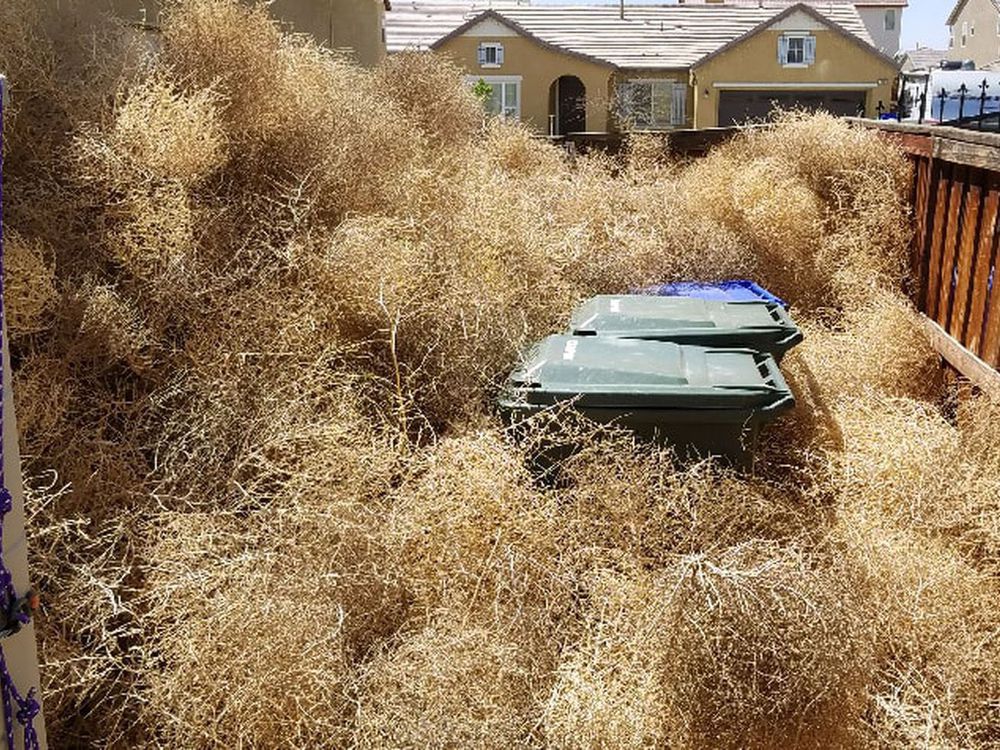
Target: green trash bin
763, 326
703, 401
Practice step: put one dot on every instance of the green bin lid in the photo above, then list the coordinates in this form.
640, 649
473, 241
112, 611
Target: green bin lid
633, 374
758, 325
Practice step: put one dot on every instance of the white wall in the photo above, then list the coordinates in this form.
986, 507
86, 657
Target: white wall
874, 18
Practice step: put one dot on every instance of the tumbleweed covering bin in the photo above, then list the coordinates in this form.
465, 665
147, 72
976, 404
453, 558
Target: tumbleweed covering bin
703, 401
688, 320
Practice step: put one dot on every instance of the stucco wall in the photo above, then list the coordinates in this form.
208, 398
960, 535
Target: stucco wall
755, 60
874, 20
354, 26
538, 67
984, 45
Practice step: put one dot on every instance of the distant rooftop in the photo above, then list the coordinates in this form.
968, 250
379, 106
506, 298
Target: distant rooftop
922, 58
649, 37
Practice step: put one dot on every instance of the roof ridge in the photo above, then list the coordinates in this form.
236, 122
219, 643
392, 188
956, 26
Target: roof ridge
661, 37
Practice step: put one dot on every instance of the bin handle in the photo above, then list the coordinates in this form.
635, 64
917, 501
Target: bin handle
792, 339
768, 367
780, 405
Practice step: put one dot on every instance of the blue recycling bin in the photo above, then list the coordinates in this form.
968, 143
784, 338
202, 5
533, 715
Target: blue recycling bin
738, 290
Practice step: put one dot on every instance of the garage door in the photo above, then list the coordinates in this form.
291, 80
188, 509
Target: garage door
737, 107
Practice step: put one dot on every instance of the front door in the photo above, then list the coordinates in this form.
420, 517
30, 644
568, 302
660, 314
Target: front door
571, 103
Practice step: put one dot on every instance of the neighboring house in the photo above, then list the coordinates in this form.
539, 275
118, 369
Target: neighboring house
884, 21
571, 69
920, 59
355, 27
882, 18
974, 27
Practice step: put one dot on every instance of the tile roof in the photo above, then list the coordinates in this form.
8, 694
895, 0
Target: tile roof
923, 58
657, 37
416, 24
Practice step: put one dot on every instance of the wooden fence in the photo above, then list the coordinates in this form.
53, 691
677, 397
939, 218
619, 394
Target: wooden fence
956, 204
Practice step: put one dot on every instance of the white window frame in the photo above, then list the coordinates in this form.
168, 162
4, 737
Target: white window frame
677, 91
965, 32
808, 49
889, 20
502, 82
488, 50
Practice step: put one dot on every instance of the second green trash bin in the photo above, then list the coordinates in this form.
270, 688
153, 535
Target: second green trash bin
763, 326
703, 401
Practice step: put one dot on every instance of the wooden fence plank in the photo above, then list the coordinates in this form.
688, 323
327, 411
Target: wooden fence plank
928, 303
915, 145
969, 154
953, 236
985, 258
923, 213
966, 256
968, 364
990, 349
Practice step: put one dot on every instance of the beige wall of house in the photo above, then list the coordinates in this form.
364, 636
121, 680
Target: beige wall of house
754, 61
975, 35
353, 26
538, 66
884, 25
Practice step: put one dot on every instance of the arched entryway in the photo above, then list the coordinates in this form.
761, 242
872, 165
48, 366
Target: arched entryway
567, 105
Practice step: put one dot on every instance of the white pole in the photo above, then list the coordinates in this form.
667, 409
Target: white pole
19, 649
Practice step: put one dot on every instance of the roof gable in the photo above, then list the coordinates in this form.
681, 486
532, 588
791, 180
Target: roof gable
790, 12
493, 16
960, 5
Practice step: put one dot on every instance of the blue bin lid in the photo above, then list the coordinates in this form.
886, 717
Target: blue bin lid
737, 290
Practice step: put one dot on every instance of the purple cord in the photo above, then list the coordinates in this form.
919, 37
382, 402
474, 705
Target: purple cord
27, 706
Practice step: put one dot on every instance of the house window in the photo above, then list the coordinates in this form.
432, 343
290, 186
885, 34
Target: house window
490, 54
797, 50
965, 31
504, 99
652, 105
890, 20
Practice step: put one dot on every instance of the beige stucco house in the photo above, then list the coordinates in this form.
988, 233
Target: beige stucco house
576, 69
354, 27
974, 27
882, 18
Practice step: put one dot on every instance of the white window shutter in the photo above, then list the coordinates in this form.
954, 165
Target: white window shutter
482, 54
499, 54
809, 48
782, 50
678, 115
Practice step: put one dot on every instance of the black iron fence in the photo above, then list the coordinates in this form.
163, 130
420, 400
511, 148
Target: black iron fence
975, 107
